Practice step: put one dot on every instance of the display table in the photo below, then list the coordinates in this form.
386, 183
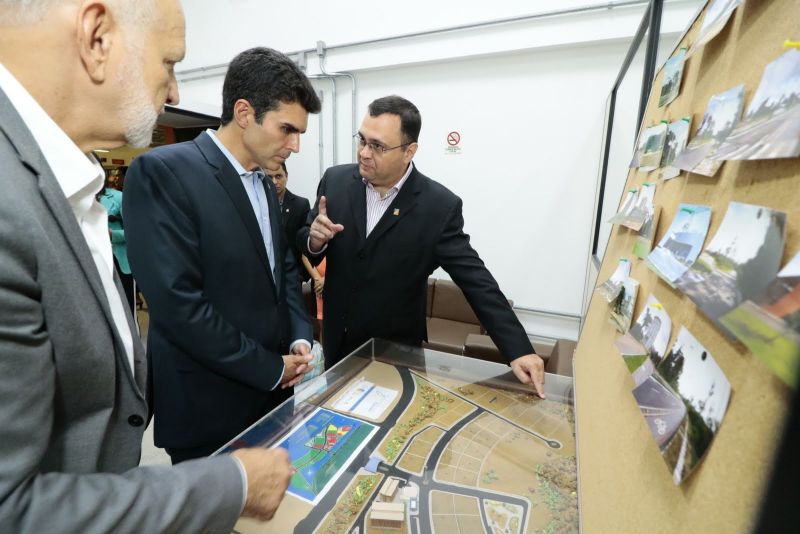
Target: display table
413, 440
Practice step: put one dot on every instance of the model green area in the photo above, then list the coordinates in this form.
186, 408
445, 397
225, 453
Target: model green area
350, 505
433, 402
558, 491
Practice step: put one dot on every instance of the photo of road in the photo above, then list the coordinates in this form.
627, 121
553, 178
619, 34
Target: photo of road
771, 126
741, 260
717, 15
721, 116
693, 376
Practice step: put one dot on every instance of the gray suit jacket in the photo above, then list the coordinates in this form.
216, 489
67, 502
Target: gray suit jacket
71, 411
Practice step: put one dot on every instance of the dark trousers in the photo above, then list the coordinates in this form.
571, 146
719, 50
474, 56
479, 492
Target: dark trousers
129, 286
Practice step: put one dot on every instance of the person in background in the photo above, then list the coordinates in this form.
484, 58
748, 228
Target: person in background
384, 227
111, 199
73, 396
294, 210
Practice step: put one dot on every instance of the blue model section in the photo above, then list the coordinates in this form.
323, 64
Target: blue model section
320, 447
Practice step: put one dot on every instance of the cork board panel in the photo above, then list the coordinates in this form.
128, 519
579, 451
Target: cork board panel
625, 486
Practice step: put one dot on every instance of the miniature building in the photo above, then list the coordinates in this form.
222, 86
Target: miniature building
389, 489
387, 515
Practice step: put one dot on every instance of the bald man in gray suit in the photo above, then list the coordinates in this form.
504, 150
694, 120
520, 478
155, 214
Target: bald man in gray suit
74, 77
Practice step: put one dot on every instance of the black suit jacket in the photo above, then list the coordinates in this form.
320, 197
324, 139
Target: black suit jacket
294, 212
219, 323
375, 286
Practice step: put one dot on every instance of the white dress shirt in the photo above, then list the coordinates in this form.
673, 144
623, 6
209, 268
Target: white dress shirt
80, 177
377, 204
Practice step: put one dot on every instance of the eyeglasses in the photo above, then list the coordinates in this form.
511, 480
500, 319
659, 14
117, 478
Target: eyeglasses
375, 148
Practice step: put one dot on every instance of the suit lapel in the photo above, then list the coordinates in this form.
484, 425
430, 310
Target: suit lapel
358, 204
32, 157
232, 183
403, 203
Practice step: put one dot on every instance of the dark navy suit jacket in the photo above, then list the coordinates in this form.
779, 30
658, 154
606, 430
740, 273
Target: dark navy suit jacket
219, 322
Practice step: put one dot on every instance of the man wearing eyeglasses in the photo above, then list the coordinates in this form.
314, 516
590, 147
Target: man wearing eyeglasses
384, 227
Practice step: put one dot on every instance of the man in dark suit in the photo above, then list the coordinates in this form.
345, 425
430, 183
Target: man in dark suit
228, 330
294, 210
73, 402
384, 227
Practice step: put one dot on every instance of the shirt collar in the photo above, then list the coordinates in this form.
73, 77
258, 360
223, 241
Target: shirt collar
241, 171
80, 177
399, 184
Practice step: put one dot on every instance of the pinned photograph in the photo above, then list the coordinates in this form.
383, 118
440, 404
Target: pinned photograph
621, 313
652, 146
645, 344
652, 329
769, 323
721, 116
635, 357
647, 234
625, 209
677, 136
691, 373
771, 126
611, 288
663, 411
673, 72
642, 208
738, 264
682, 243
717, 16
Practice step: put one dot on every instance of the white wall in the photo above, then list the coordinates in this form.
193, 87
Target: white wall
527, 97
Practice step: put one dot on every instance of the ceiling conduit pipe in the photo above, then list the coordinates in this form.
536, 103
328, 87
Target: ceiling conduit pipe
321, 54
203, 72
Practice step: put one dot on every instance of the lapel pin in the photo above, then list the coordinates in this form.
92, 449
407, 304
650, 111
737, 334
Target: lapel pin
396, 211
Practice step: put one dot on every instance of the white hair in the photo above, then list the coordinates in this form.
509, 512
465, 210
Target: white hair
136, 13
135, 107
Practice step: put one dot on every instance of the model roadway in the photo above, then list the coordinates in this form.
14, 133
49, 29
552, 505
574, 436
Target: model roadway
420, 523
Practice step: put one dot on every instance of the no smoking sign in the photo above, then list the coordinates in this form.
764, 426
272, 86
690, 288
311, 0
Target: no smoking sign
453, 140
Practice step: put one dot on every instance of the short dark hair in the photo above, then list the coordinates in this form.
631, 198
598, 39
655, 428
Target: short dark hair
285, 170
410, 119
266, 78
